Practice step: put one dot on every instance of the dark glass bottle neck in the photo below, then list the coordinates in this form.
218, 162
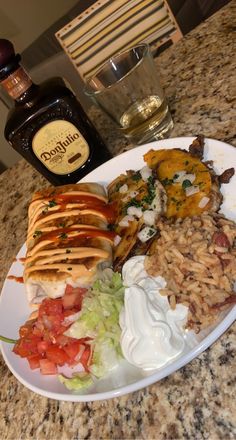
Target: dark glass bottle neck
28, 95
18, 83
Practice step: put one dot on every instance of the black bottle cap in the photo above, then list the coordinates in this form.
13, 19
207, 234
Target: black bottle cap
7, 52
8, 59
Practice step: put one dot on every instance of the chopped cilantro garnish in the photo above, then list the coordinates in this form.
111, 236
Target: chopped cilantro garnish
148, 198
132, 202
186, 183
151, 191
52, 203
63, 236
37, 234
167, 181
68, 251
186, 162
151, 180
151, 232
136, 177
118, 186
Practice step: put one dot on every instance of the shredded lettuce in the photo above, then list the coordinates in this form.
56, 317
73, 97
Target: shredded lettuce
99, 320
77, 382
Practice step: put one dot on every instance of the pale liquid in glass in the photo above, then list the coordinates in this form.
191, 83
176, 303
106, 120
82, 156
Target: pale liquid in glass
146, 120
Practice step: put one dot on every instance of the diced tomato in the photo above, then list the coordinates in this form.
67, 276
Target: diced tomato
57, 355
72, 349
34, 361
42, 341
26, 329
20, 349
86, 357
62, 340
79, 290
42, 346
73, 297
69, 312
52, 322
69, 289
38, 329
47, 367
26, 346
70, 300
51, 307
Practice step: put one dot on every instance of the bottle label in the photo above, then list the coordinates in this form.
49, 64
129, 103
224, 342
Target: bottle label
17, 83
60, 147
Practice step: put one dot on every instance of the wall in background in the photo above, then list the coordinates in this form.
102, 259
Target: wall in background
23, 21
31, 24
8, 156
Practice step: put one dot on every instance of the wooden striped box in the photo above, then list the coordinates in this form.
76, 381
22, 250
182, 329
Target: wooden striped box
110, 26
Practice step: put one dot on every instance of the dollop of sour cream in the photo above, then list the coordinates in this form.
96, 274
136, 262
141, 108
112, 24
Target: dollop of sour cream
152, 333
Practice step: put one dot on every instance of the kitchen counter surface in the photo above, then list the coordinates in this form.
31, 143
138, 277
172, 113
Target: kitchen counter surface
198, 401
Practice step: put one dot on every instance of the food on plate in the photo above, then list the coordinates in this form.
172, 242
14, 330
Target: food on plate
191, 185
138, 199
78, 335
175, 183
42, 340
99, 321
197, 258
152, 333
68, 240
128, 272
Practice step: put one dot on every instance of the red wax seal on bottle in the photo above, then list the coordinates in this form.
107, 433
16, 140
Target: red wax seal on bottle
7, 52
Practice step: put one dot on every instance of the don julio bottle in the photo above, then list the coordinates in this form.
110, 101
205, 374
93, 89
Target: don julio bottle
47, 125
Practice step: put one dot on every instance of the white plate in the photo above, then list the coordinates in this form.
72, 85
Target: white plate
14, 309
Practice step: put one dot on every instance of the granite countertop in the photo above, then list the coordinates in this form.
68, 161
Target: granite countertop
198, 401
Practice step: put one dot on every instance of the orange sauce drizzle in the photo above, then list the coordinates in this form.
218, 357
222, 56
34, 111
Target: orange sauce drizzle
17, 279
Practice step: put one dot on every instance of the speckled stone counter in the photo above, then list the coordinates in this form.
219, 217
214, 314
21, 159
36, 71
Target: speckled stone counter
198, 401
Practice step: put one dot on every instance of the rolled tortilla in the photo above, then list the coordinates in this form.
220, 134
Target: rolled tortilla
68, 240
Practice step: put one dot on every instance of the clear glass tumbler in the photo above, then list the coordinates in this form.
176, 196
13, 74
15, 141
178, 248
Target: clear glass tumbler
128, 89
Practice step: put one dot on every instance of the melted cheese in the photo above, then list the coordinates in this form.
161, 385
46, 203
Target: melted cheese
167, 164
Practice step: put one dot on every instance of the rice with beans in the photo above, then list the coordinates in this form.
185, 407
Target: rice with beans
197, 258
